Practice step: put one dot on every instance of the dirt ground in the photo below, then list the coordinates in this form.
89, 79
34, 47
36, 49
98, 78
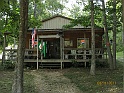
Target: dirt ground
47, 81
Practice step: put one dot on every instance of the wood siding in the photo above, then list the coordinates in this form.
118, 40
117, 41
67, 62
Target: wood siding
73, 35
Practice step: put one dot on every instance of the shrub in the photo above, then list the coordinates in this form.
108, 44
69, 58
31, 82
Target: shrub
75, 63
101, 63
9, 65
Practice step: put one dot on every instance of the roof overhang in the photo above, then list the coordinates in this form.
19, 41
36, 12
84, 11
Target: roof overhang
49, 36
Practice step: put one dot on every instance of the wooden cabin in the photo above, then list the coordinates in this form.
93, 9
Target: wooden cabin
60, 46
63, 45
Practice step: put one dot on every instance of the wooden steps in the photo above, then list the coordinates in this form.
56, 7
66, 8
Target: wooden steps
50, 65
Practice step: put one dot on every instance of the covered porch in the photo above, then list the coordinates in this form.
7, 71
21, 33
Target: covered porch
68, 55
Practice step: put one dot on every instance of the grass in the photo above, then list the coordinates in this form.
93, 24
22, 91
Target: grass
105, 80
6, 81
29, 84
120, 54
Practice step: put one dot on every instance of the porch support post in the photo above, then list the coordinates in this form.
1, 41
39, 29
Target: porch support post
37, 51
4, 45
61, 50
61, 64
85, 64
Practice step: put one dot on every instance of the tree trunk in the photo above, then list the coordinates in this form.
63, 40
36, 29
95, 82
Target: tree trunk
18, 82
92, 69
110, 59
123, 36
34, 9
114, 34
123, 19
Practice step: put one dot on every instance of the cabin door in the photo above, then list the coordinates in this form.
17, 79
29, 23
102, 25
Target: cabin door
53, 48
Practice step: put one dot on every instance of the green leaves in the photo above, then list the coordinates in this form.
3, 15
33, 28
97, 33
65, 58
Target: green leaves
3, 3
83, 21
33, 22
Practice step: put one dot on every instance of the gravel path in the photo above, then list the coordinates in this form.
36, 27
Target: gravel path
51, 81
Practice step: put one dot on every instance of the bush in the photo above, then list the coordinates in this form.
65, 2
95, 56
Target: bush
119, 47
101, 63
9, 65
1, 68
75, 63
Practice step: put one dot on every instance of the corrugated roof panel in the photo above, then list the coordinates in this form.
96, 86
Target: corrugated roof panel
56, 23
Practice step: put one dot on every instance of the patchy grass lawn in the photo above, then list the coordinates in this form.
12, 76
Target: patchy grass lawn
105, 80
120, 54
6, 81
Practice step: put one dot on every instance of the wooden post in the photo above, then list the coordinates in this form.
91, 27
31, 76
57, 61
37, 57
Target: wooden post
61, 64
4, 45
37, 52
3, 56
61, 49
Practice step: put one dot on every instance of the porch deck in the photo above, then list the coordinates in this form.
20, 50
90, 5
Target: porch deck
67, 55
60, 60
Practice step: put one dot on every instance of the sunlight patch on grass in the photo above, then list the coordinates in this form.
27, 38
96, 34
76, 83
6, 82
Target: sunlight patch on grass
120, 54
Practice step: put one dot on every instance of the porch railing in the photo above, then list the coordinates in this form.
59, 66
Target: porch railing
68, 53
30, 53
10, 54
84, 53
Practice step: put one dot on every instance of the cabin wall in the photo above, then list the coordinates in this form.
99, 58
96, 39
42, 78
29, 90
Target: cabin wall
28, 37
72, 35
98, 39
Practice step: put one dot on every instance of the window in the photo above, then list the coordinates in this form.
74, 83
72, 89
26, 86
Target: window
82, 42
68, 43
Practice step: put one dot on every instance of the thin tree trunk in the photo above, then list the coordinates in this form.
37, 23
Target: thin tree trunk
123, 19
114, 34
6, 22
18, 82
123, 37
34, 9
110, 59
92, 69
